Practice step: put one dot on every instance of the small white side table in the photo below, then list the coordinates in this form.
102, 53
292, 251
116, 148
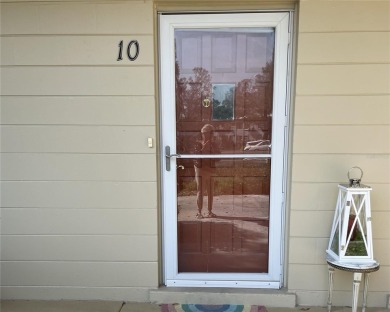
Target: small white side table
359, 270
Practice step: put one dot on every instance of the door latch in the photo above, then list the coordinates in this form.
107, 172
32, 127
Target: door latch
168, 157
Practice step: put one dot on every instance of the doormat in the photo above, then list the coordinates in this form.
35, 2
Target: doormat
211, 308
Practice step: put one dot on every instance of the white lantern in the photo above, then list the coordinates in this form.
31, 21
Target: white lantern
351, 235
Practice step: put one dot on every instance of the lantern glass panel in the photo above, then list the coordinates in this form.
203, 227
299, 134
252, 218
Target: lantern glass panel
335, 242
357, 232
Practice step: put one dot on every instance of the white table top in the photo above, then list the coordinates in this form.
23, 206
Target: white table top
353, 266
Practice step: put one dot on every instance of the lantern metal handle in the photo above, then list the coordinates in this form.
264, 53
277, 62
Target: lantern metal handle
355, 182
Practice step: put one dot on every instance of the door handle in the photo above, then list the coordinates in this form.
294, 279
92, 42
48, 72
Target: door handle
168, 157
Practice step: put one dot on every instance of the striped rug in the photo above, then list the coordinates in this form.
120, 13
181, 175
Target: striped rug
211, 308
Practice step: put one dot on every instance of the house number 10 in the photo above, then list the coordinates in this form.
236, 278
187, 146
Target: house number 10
132, 54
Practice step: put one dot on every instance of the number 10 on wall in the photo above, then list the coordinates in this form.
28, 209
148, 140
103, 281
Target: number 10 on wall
132, 50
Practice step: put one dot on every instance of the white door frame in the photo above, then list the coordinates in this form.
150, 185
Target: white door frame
167, 25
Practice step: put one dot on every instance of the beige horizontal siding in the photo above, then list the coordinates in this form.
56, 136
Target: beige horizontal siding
307, 250
78, 110
381, 224
319, 168
318, 196
308, 277
65, 18
341, 119
68, 167
342, 110
344, 48
73, 81
313, 196
75, 50
367, 79
335, 16
80, 194
306, 223
315, 277
382, 251
35, 221
79, 248
304, 250
87, 274
318, 224
77, 139
79, 189
355, 139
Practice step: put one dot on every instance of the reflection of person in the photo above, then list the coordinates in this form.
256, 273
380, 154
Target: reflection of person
204, 169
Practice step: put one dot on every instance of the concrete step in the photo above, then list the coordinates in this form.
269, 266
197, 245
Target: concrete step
270, 298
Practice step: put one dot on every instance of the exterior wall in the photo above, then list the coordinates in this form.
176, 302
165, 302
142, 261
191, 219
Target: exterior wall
79, 189
342, 119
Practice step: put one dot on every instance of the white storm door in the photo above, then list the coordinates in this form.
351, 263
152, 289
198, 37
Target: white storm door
223, 82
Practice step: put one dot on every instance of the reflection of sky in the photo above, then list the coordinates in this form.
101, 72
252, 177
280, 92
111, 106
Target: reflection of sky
220, 91
256, 57
227, 54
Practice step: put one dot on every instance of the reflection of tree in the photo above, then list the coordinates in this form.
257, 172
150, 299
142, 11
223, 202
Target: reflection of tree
189, 95
203, 78
250, 101
224, 109
268, 72
190, 92
256, 94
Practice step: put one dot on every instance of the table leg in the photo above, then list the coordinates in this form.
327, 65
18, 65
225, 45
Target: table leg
330, 271
366, 278
357, 277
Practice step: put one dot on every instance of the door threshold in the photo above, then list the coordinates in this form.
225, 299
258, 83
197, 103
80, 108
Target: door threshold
250, 296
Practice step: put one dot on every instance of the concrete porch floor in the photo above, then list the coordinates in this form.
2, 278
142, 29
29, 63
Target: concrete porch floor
117, 306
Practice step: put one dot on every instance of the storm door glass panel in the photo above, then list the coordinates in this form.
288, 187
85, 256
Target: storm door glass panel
224, 92
224, 79
223, 215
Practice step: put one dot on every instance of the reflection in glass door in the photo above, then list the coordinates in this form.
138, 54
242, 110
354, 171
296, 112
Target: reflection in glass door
226, 139
223, 106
